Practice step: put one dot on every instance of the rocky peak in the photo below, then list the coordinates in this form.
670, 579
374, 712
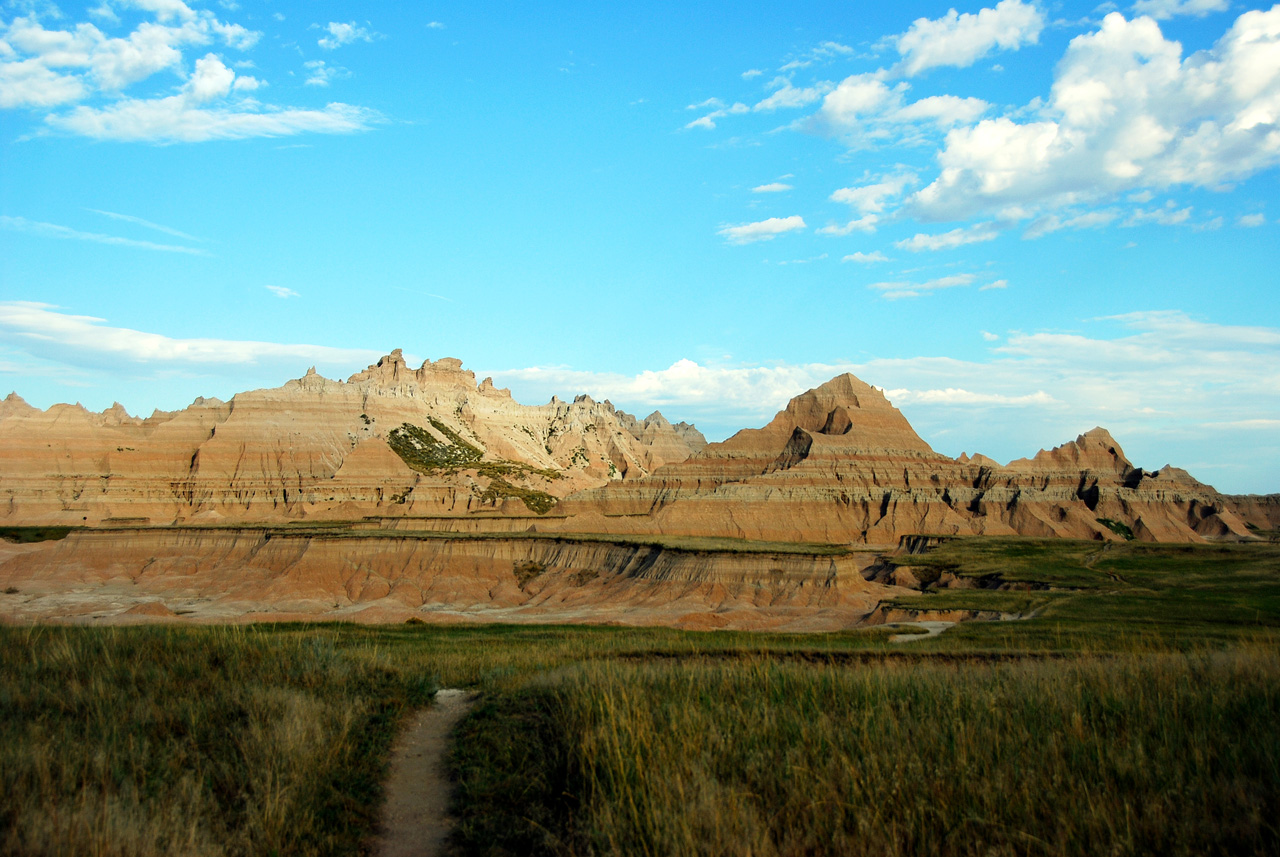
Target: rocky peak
14, 405
487, 389
392, 371
850, 408
117, 415
1094, 450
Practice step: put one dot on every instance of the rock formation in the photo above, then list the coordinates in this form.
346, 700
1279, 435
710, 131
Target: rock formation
417, 493
841, 464
319, 448
435, 449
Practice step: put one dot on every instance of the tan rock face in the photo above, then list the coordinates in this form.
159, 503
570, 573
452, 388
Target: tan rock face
838, 464
316, 448
841, 464
229, 575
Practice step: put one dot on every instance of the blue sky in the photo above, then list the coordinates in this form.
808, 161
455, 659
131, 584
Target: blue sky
1022, 219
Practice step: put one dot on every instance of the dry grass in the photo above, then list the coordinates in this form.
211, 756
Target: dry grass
1139, 754
209, 741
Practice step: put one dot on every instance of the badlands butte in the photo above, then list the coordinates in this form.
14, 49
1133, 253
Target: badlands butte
404, 493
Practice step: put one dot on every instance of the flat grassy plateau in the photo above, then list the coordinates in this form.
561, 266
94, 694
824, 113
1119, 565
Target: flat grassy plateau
1135, 713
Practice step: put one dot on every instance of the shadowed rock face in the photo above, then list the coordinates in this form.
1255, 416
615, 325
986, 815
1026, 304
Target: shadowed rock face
838, 464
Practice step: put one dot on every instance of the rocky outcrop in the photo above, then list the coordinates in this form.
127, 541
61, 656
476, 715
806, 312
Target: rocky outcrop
434, 449
841, 464
228, 574
320, 448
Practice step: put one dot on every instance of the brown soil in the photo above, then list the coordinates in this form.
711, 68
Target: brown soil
415, 821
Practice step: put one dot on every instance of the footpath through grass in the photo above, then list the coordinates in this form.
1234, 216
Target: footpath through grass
1135, 713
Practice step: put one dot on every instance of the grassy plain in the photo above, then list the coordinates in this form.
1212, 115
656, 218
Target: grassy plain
1135, 713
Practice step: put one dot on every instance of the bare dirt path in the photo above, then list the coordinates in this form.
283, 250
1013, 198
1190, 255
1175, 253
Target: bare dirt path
931, 629
415, 822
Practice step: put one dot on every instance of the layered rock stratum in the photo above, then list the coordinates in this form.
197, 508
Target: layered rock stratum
418, 492
317, 448
841, 464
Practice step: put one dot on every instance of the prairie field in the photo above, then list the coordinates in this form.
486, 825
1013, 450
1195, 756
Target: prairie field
1134, 712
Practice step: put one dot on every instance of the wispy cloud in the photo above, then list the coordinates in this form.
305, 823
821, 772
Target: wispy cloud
947, 240
763, 230
771, 187
53, 230
344, 34
129, 218
48, 331
282, 291
902, 289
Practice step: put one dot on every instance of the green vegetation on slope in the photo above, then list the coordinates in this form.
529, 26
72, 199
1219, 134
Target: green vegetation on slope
27, 535
1115, 596
424, 453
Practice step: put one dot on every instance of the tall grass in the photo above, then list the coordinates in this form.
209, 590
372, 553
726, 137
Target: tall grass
206, 742
1138, 754
251, 740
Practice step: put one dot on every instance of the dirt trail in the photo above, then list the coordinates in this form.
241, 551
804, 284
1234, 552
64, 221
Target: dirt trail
932, 629
414, 818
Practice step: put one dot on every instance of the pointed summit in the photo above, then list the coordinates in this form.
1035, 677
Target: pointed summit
851, 409
1095, 450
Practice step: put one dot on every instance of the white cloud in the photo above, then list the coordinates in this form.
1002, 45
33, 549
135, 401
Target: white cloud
435, 25
866, 258
1052, 222
864, 109
190, 116
997, 284
53, 230
772, 187
856, 98
788, 96
175, 120
989, 336
943, 110
763, 230
46, 330
1163, 216
822, 53
1126, 113
43, 67
1161, 9
958, 396
320, 73
344, 34
866, 223
104, 63
1251, 220
709, 121
28, 83
164, 10
900, 289
947, 240
871, 198
281, 291
962, 40
751, 72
